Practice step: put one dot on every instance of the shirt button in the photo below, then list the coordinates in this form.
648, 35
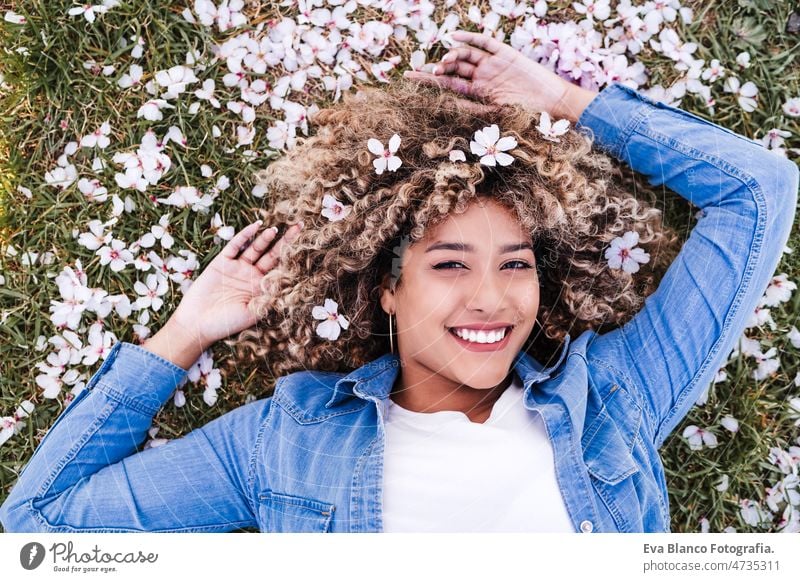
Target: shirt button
586, 526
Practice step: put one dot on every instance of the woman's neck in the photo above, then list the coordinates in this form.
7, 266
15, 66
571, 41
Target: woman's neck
424, 392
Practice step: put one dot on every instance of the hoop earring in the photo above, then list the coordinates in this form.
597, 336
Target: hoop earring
391, 334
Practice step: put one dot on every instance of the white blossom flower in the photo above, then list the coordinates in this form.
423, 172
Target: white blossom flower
697, 437
623, 253
160, 232
773, 139
761, 316
183, 268
488, 144
743, 59
753, 514
794, 403
97, 138
204, 372
334, 210
116, 254
457, 156
778, 291
99, 346
184, 196
221, 232
333, 322
132, 78
61, 177
745, 94
93, 190
11, 425
88, 11
174, 80
96, 237
730, 423
792, 107
207, 93
14, 18
551, 131
152, 109
794, 337
150, 293
386, 158
599, 9
768, 364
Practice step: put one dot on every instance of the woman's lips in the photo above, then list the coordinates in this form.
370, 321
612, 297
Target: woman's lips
476, 347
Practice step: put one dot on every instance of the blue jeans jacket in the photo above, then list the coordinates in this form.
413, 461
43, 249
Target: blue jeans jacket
310, 458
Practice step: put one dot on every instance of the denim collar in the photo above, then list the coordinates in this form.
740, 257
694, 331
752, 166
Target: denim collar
376, 378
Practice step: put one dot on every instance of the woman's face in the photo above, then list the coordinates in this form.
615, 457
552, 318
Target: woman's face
474, 270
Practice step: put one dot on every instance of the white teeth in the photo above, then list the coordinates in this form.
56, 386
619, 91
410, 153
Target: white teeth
481, 337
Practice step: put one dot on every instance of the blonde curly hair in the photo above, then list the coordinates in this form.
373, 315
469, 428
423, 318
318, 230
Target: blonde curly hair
563, 192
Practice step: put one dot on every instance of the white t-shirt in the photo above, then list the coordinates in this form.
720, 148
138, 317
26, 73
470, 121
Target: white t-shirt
445, 473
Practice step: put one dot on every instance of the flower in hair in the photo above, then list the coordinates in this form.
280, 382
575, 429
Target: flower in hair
551, 130
333, 322
386, 158
622, 254
334, 210
491, 147
457, 156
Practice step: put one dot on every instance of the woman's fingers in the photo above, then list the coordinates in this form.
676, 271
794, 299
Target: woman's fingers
270, 259
252, 253
465, 54
455, 67
488, 43
457, 84
231, 250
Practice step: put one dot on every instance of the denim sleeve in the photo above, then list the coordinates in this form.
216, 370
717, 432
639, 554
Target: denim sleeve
86, 476
670, 351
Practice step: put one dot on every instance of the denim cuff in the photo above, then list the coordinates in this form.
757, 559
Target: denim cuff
613, 115
137, 378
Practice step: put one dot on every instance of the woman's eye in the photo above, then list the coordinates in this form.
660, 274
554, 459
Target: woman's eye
446, 264
523, 263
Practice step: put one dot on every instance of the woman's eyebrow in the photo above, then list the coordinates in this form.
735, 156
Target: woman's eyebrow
466, 247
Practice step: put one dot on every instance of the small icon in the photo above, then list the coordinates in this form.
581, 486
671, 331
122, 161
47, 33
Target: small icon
31, 555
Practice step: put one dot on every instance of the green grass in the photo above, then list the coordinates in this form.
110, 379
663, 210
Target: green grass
49, 87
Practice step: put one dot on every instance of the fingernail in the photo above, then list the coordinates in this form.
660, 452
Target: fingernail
274, 228
300, 224
436, 70
259, 222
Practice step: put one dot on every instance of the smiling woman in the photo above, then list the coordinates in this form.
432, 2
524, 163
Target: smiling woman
450, 422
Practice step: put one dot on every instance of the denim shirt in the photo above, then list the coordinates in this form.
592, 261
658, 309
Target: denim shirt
310, 457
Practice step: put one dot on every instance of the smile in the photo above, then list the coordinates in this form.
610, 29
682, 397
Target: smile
481, 341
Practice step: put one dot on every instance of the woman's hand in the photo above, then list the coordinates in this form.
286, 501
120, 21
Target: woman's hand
498, 74
216, 304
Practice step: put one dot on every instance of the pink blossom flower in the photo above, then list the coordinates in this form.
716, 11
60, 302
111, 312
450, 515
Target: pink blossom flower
334, 210
386, 158
333, 322
551, 131
624, 254
491, 147
697, 437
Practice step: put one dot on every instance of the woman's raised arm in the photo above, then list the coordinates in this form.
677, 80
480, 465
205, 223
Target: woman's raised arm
671, 350
85, 475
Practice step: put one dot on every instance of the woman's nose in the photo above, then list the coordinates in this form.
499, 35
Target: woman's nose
486, 293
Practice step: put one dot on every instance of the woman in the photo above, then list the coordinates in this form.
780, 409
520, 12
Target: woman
441, 426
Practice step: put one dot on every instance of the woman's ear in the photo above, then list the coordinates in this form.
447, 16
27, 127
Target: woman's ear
387, 294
